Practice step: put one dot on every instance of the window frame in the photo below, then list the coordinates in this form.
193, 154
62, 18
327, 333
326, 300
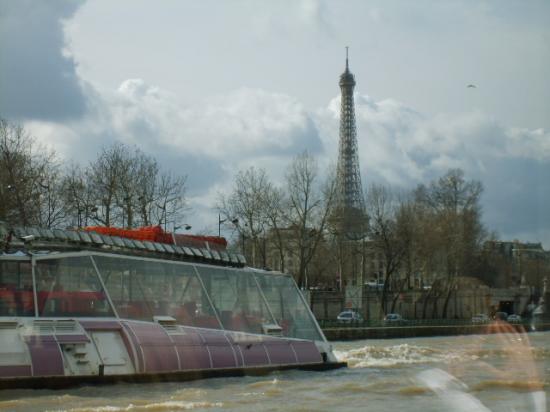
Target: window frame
252, 272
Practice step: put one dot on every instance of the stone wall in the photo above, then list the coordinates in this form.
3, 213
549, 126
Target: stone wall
339, 334
421, 304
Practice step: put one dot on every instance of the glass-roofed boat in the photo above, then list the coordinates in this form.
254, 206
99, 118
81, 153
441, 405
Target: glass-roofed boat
79, 306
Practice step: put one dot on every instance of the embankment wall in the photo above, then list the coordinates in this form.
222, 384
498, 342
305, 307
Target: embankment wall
356, 333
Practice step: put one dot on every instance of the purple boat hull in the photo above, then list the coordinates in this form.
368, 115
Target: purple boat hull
58, 358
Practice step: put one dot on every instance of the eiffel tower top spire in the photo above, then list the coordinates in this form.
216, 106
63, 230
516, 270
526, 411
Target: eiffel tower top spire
347, 65
350, 205
347, 78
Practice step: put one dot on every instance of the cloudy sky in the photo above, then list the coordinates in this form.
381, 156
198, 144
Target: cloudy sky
210, 87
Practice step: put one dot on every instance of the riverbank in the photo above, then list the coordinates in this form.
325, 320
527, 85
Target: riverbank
392, 332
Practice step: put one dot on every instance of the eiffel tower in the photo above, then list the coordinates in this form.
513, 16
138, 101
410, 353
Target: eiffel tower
349, 215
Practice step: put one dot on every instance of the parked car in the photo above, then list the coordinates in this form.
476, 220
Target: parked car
480, 318
374, 285
394, 319
349, 316
513, 318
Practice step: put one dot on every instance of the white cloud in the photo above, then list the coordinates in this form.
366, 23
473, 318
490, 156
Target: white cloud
213, 139
55, 136
232, 127
402, 147
429, 55
530, 144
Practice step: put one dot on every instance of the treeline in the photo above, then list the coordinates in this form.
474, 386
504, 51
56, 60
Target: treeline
122, 187
433, 232
293, 217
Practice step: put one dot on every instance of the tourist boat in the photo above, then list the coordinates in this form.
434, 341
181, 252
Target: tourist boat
80, 306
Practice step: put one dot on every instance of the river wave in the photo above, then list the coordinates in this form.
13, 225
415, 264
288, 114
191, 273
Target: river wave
398, 355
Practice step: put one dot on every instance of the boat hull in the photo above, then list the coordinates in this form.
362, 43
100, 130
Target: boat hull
56, 353
61, 382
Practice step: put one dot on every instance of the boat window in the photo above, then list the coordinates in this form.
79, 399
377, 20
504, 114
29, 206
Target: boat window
141, 289
16, 295
70, 287
236, 297
287, 306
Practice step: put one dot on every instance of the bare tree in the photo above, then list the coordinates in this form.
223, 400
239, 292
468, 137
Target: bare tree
169, 200
273, 205
247, 203
128, 188
79, 203
309, 206
146, 183
126, 191
122, 186
25, 171
383, 209
53, 209
454, 232
103, 177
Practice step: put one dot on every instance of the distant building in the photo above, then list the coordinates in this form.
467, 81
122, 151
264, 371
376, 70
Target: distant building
517, 263
282, 255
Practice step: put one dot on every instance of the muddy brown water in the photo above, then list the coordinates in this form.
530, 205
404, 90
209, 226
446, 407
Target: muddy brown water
502, 372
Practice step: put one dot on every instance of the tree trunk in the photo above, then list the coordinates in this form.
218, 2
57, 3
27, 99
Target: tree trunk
434, 309
447, 299
396, 296
425, 303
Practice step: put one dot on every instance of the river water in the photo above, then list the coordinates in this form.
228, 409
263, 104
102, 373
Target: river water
504, 372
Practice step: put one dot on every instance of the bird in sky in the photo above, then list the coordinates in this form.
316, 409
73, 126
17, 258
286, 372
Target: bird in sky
472, 86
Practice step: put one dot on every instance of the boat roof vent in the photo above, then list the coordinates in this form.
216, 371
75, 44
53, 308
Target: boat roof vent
8, 324
44, 326
169, 324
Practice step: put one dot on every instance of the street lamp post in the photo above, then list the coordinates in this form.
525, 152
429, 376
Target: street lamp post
94, 210
235, 221
184, 226
163, 216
